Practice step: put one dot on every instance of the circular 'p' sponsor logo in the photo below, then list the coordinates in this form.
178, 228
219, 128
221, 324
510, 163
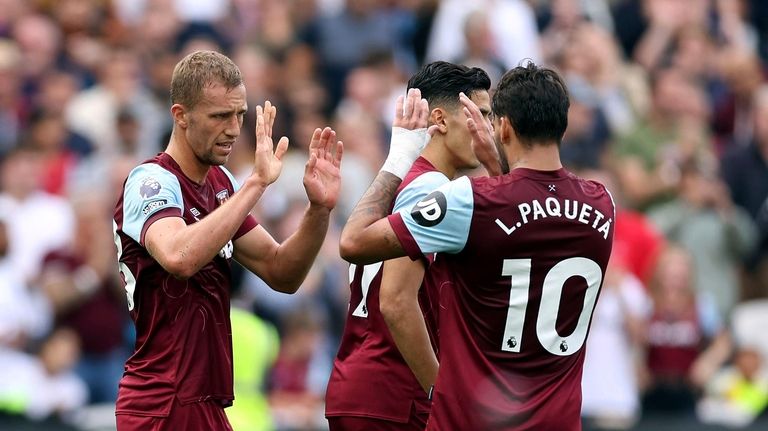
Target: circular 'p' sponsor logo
430, 210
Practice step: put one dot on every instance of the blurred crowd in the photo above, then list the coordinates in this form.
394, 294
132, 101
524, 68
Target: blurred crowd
669, 108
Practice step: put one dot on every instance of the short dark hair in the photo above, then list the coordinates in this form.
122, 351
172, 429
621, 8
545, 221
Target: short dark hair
441, 82
198, 70
535, 101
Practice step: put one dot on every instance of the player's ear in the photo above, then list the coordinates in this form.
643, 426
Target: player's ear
179, 114
438, 118
505, 129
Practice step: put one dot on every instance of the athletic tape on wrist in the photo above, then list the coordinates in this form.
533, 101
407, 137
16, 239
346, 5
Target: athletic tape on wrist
404, 148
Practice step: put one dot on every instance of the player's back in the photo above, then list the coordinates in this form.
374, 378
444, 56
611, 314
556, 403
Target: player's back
514, 323
370, 378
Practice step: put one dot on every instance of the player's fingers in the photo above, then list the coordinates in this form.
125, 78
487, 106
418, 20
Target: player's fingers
314, 143
409, 102
432, 130
339, 153
259, 124
282, 147
423, 113
325, 139
399, 107
272, 114
328, 148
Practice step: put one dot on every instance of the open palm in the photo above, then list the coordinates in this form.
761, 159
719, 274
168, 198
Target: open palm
322, 177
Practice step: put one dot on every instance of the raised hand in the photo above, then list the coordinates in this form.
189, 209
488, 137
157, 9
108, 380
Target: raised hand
268, 161
322, 178
411, 112
481, 130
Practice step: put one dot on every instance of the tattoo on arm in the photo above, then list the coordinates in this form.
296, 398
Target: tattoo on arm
375, 203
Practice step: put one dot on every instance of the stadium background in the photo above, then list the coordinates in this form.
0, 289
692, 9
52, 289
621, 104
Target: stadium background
669, 107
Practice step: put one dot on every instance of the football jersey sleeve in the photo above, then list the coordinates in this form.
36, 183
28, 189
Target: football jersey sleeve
439, 222
418, 188
150, 193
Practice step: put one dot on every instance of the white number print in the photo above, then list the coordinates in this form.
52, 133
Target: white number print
520, 271
369, 272
128, 277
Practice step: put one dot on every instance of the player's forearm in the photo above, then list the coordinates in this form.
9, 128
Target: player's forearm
198, 243
296, 255
357, 237
406, 324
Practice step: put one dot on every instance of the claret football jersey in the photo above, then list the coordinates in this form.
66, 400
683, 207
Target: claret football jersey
526, 254
370, 378
183, 333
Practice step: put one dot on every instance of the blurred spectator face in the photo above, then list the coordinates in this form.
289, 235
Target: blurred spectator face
748, 361
693, 51
566, 13
478, 34
49, 133
674, 278
76, 16
60, 352
363, 87
675, 96
741, 71
121, 75
159, 25
253, 64
306, 96
39, 40
56, 90
21, 173
10, 61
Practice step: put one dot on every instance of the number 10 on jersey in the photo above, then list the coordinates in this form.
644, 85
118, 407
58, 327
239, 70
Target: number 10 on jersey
546, 319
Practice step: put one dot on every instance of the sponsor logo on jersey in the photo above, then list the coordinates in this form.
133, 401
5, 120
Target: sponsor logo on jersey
430, 210
149, 187
154, 205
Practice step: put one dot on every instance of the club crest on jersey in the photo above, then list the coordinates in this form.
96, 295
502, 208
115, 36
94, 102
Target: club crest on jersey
430, 210
222, 196
149, 187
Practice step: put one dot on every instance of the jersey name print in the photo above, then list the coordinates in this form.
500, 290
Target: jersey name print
525, 254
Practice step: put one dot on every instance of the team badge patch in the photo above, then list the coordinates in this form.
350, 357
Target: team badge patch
149, 187
430, 210
222, 196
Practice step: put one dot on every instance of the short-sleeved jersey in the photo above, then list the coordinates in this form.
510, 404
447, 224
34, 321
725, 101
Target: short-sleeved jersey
526, 253
370, 378
183, 333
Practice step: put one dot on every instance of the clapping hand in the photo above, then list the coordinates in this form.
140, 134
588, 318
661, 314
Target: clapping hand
322, 177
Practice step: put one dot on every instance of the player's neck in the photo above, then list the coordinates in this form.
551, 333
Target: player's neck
186, 159
539, 157
437, 155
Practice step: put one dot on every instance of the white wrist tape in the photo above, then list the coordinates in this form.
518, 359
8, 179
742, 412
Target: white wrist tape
404, 148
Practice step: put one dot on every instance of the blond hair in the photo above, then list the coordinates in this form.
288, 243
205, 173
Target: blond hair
198, 70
